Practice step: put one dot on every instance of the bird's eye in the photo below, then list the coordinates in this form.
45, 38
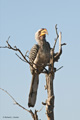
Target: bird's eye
39, 32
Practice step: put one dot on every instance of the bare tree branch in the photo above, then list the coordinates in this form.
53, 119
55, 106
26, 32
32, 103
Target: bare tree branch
14, 100
59, 68
56, 57
63, 44
43, 103
3, 47
26, 53
16, 49
40, 109
20, 57
24, 56
34, 115
56, 37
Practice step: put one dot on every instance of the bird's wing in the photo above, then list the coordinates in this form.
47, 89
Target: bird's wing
35, 77
33, 54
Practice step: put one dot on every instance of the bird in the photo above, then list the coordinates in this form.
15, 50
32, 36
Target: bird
39, 56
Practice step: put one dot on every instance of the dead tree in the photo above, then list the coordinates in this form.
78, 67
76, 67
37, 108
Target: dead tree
49, 81
50, 74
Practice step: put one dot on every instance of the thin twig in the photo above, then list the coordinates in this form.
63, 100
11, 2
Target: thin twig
56, 31
43, 103
26, 53
3, 46
9, 95
14, 100
20, 58
60, 38
59, 68
57, 56
40, 109
8, 38
63, 44
56, 37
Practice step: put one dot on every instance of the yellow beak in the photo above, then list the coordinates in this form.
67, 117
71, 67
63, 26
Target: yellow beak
43, 32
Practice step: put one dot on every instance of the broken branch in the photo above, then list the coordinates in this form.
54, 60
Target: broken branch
56, 57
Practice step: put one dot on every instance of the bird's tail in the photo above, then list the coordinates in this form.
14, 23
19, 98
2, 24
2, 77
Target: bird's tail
33, 90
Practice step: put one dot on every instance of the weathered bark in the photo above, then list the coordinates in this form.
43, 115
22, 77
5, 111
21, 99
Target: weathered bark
34, 115
50, 92
49, 82
50, 99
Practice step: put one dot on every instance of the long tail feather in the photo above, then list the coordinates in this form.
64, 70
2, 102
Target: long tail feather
33, 90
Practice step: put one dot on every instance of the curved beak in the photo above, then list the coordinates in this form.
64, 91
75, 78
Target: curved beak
43, 32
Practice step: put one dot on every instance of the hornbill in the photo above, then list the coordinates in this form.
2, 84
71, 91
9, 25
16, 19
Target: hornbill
39, 56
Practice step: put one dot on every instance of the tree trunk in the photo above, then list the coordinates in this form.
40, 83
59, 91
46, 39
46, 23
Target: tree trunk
49, 81
50, 99
50, 92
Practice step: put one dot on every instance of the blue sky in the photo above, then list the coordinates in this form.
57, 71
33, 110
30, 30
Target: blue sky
20, 19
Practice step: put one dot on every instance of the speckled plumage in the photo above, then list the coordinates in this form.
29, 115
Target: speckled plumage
39, 56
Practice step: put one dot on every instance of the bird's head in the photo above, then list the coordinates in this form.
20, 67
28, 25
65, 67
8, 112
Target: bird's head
41, 34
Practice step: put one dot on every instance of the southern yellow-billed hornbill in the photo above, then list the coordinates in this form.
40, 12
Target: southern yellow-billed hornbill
39, 57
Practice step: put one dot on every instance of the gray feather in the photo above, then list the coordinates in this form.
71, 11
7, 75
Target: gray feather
33, 54
40, 55
33, 90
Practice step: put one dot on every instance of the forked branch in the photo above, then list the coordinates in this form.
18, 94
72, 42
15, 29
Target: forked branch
23, 58
57, 55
